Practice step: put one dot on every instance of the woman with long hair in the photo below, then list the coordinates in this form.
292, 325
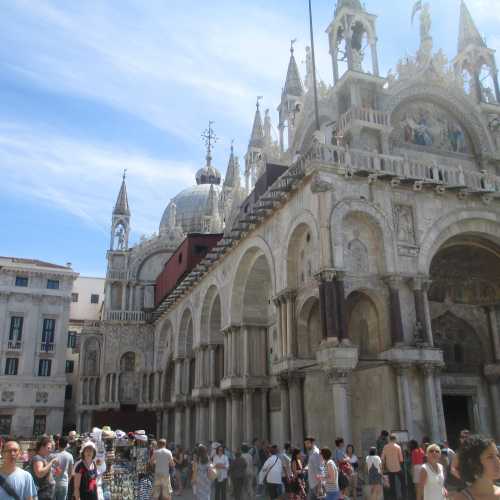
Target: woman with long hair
203, 474
479, 466
331, 475
297, 483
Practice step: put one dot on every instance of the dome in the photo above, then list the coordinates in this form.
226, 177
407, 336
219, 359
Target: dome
191, 205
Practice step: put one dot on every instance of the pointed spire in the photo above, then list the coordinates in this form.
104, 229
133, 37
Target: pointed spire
468, 34
293, 83
257, 137
352, 4
268, 140
233, 170
121, 206
212, 202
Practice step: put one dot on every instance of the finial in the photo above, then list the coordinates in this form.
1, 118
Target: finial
210, 139
124, 174
292, 43
232, 146
259, 98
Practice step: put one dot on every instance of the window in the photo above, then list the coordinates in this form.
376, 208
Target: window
74, 297
11, 366
53, 284
68, 393
16, 329
71, 339
44, 366
5, 424
200, 249
94, 298
39, 425
21, 281
49, 326
70, 366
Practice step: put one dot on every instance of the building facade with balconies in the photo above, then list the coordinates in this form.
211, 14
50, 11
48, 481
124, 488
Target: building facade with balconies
358, 291
35, 299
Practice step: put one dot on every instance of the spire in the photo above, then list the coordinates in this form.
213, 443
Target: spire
257, 138
352, 4
233, 170
293, 83
468, 34
212, 202
268, 140
121, 206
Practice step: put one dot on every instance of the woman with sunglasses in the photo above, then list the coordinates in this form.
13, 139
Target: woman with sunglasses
431, 482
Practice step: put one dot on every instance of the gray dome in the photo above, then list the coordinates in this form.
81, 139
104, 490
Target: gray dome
191, 205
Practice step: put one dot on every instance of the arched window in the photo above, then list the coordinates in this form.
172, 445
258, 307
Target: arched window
127, 363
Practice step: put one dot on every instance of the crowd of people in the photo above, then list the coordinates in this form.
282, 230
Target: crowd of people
67, 468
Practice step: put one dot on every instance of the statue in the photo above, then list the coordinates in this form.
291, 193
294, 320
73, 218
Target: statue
425, 22
419, 335
357, 60
120, 237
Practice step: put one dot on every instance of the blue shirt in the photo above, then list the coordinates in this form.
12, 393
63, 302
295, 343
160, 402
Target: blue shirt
21, 482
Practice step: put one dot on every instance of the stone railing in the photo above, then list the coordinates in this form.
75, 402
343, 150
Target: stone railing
133, 316
366, 115
404, 169
115, 274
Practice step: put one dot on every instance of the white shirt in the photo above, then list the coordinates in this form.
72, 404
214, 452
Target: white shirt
374, 460
271, 470
221, 473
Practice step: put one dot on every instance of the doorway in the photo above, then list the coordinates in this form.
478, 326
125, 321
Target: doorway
457, 416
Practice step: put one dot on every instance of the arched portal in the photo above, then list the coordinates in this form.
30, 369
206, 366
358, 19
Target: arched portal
308, 329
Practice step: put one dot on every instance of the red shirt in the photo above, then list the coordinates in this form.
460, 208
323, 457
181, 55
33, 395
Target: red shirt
417, 456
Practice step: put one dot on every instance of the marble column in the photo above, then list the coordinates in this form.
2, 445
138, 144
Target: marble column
236, 351
178, 425
494, 331
404, 396
284, 326
439, 403
205, 422
158, 425
430, 401
494, 389
213, 419
277, 304
229, 418
328, 303
249, 427
212, 365
339, 380
189, 427
236, 424
264, 415
230, 355
245, 334
422, 311
226, 354
290, 324
285, 410
374, 53
397, 336
124, 296
296, 410
178, 376
342, 332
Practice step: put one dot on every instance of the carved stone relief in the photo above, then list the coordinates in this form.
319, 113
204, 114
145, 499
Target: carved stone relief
356, 256
42, 397
8, 396
404, 223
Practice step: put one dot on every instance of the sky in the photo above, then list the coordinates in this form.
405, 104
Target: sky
91, 87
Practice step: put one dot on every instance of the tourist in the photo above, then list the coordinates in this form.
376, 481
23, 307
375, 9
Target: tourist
374, 473
271, 474
331, 475
392, 458
417, 456
237, 473
297, 489
353, 478
14, 481
85, 478
162, 460
454, 483
479, 466
250, 471
382, 440
42, 469
313, 466
431, 481
339, 450
221, 464
180, 468
64, 469
203, 475
286, 458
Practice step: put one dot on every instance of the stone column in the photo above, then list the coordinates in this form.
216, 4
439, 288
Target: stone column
230, 355
494, 332
178, 425
178, 377
229, 418
284, 327
285, 410
212, 365
342, 332
404, 396
226, 354
213, 419
328, 303
203, 424
264, 415
107, 297
236, 424
338, 379
249, 432
422, 311
430, 400
439, 403
296, 410
394, 282
373, 45
158, 425
492, 373
236, 351
124, 296
189, 427
245, 350
290, 325
164, 426
277, 304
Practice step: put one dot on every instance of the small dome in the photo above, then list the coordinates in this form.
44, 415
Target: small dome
208, 175
191, 205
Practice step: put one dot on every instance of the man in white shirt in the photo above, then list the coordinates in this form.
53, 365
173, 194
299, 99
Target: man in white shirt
162, 459
271, 474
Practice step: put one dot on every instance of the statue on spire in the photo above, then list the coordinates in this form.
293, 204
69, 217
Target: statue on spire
425, 52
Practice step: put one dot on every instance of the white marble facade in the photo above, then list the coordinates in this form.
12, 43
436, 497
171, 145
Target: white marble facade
360, 291
34, 313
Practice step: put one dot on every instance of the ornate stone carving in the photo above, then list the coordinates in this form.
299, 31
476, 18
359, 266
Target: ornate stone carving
320, 185
42, 397
356, 257
8, 396
404, 223
337, 376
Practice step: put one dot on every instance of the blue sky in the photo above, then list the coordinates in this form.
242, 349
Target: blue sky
90, 87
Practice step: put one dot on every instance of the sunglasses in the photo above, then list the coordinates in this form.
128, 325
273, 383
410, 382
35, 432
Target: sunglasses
434, 451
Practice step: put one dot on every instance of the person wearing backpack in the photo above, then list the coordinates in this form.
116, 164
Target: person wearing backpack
15, 483
271, 474
374, 471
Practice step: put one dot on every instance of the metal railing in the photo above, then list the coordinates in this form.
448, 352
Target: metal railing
47, 347
14, 345
135, 316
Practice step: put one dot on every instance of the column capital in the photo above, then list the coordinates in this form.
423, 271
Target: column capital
338, 376
429, 369
393, 281
329, 275
230, 329
420, 282
236, 394
402, 368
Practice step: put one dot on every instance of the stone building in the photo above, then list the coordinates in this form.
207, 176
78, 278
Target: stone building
34, 312
358, 291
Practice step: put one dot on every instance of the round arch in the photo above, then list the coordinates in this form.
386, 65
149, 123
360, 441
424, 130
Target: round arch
210, 316
375, 216
304, 140
185, 337
309, 333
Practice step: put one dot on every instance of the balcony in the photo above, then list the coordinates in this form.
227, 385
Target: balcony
400, 169
131, 316
363, 117
115, 274
47, 347
14, 345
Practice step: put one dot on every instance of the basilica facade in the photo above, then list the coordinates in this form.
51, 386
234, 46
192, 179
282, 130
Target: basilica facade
356, 284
